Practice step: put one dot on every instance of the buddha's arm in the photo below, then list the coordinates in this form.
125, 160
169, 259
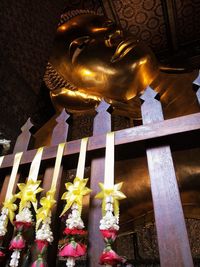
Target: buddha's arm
73, 99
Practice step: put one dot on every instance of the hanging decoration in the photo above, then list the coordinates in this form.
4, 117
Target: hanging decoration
110, 195
75, 235
1, 160
44, 235
9, 208
24, 220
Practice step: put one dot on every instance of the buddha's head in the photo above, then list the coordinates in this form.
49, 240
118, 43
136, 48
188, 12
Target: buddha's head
92, 58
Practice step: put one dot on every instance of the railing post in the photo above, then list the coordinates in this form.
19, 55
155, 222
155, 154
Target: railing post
60, 131
101, 125
59, 135
172, 236
24, 138
21, 145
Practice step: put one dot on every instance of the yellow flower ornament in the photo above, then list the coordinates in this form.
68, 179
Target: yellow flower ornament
9, 204
75, 193
28, 193
115, 193
47, 204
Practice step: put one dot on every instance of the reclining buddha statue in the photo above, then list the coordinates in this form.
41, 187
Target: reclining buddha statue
93, 59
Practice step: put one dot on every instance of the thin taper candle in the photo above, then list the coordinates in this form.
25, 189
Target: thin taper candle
1, 160
35, 165
57, 165
81, 160
109, 160
13, 175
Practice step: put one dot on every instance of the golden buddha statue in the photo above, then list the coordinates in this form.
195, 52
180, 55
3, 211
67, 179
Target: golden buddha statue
93, 59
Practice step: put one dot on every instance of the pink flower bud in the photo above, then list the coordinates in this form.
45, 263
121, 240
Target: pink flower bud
110, 257
73, 249
2, 254
17, 243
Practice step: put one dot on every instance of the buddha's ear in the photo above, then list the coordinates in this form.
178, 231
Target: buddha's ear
170, 69
77, 46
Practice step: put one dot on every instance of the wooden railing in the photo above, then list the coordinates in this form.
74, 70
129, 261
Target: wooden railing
156, 133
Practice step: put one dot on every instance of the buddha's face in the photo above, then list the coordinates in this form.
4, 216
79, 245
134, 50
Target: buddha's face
99, 60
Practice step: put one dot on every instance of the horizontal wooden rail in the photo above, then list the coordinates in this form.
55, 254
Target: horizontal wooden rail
140, 133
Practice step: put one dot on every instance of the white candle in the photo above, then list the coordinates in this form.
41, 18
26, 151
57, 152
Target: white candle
57, 165
35, 165
13, 175
81, 159
109, 161
1, 160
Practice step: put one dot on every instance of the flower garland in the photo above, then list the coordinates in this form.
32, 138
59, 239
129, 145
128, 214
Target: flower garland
44, 235
75, 243
24, 219
75, 235
109, 224
7, 213
110, 195
9, 208
3, 229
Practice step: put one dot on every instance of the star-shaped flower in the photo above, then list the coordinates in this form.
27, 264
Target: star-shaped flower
28, 193
47, 204
115, 193
75, 193
9, 204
